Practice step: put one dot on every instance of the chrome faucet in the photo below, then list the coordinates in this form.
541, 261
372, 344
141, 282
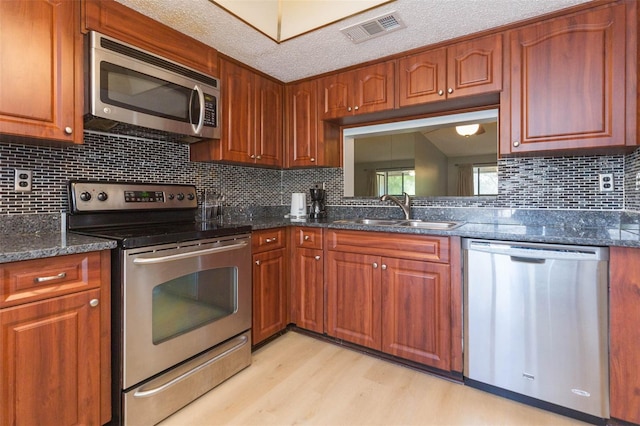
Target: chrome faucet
405, 205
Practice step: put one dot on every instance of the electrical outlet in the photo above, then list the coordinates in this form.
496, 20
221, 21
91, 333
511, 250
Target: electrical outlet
23, 180
606, 182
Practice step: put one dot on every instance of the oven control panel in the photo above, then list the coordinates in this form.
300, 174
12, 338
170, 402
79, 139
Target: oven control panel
91, 196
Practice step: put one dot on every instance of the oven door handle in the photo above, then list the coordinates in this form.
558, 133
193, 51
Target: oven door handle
162, 259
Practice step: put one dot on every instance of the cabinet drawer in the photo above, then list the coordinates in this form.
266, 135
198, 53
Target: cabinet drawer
31, 280
406, 246
268, 239
308, 237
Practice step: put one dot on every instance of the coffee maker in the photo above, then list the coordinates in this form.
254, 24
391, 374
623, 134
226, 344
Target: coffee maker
318, 209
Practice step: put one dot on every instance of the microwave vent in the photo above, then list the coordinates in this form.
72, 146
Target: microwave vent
375, 27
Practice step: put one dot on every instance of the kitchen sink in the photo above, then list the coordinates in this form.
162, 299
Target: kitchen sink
413, 223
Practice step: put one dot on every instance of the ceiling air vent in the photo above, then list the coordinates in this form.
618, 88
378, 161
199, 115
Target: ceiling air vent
375, 27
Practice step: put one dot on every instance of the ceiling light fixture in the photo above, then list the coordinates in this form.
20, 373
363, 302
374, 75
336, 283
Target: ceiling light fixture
469, 130
281, 20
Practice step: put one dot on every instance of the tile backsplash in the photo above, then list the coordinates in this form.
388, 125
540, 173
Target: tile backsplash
538, 183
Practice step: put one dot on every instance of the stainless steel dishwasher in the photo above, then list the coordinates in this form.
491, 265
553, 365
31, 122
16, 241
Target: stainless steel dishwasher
536, 324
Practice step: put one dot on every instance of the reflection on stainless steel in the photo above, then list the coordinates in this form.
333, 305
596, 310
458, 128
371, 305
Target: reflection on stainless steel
536, 322
414, 223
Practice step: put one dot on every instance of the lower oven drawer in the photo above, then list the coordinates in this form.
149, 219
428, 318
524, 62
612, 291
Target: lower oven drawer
164, 395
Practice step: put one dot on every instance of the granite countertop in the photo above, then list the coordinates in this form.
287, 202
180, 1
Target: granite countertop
47, 244
33, 243
606, 235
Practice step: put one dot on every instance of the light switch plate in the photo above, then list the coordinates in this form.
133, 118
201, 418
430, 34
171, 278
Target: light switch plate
23, 180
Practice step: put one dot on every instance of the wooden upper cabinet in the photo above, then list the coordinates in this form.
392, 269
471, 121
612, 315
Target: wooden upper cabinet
360, 91
251, 119
116, 20
41, 81
310, 141
467, 68
568, 85
302, 124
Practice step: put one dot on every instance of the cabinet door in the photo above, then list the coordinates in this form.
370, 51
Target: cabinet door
373, 88
302, 128
41, 83
624, 302
416, 317
567, 84
237, 93
308, 289
269, 294
474, 67
422, 77
353, 298
269, 122
335, 95
50, 362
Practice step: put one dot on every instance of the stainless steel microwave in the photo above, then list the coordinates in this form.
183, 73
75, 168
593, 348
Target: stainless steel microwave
130, 85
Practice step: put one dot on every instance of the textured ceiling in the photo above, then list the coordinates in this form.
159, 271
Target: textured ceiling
327, 49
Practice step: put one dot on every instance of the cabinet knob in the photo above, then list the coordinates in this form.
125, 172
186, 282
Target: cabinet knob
258, 262
450, 90
312, 160
375, 265
516, 143
306, 238
68, 130
252, 156
440, 92
271, 240
317, 257
94, 302
356, 107
384, 267
258, 157
349, 109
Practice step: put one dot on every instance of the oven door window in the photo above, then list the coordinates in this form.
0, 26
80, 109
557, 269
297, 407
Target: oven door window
191, 301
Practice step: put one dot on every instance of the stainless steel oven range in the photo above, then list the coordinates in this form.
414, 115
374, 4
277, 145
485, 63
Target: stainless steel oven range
181, 294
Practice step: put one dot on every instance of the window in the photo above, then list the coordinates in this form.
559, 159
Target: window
485, 180
395, 182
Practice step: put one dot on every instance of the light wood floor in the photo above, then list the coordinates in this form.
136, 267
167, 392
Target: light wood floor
297, 379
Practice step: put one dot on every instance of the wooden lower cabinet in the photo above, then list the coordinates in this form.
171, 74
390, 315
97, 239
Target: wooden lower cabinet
51, 362
391, 299
416, 311
624, 310
307, 278
269, 284
55, 345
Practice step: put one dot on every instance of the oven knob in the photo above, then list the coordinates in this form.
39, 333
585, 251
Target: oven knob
190, 196
171, 196
180, 196
85, 196
102, 196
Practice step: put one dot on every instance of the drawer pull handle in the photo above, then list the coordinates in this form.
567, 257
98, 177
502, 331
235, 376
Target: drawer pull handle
60, 276
270, 240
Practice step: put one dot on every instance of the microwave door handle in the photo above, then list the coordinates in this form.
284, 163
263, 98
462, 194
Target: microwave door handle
197, 128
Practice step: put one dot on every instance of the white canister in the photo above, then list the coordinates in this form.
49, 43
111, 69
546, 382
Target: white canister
298, 205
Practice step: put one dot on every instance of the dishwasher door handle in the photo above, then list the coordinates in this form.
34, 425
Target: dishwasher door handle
527, 259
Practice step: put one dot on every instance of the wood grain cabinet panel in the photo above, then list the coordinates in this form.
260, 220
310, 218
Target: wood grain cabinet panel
41, 82
270, 283
307, 278
55, 344
360, 91
568, 86
624, 306
467, 68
